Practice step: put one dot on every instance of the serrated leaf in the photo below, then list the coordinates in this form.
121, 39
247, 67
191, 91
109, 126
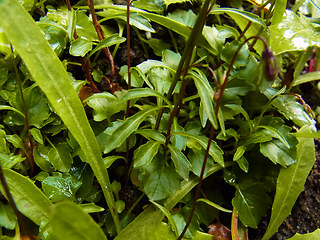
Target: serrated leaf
29, 199
144, 154
61, 187
70, 221
290, 182
122, 132
80, 47
180, 161
307, 236
251, 202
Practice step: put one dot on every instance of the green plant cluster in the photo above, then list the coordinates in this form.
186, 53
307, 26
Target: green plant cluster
212, 99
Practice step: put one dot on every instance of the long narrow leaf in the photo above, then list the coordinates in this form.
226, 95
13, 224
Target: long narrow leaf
121, 133
29, 199
290, 183
49, 73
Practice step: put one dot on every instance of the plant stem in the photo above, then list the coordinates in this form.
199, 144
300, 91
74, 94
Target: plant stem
187, 54
101, 36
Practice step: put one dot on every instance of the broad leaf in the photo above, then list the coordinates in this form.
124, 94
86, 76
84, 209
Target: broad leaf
60, 157
61, 187
122, 132
290, 182
70, 221
8, 218
80, 47
251, 202
286, 36
29, 199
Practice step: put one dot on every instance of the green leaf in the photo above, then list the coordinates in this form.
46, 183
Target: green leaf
169, 217
196, 158
212, 204
278, 11
215, 151
60, 157
168, 2
29, 199
286, 36
8, 218
104, 105
159, 181
230, 49
251, 202
36, 133
181, 219
147, 222
110, 159
91, 208
152, 134
84, 27
307, 77
144, 154
80, 47
8, 161
49, 73
107, 42
278, 152
41, 158
239, 153
275, 133
288, 106
61, 187
206, 95
178, 141
180, 161
70, 221
290, 182
5, 107
309, 236
126, 128
242, 18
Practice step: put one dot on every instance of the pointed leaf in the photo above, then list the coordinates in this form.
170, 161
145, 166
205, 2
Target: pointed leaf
215, 151
212, 204
206, 95
180, 161
70, 221
278, 11
60, 157
122, 132
290, 182
29, 199
80, 47
145, 153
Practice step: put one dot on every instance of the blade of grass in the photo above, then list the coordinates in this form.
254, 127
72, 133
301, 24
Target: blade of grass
49, 73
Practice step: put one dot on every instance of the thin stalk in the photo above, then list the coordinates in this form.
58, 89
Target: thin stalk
187, 54
30, 139
101, 36
84, 63
129, 86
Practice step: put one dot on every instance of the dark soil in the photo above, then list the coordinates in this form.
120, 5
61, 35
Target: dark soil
305, 215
